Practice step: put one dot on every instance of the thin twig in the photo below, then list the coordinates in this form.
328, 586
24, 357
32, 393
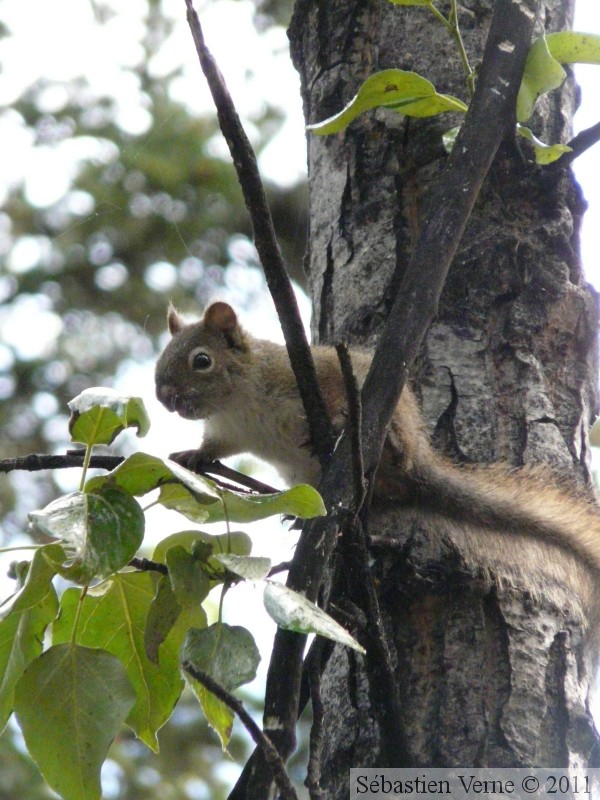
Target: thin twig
354, 422
380, 670
579, 144
269, 752
322, 437
146, 565
35, 462
73, 458
283, 567
313, 773
320, 651
216, 468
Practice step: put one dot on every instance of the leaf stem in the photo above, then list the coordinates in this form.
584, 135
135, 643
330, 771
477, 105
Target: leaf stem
20, 547
78, 611
440, 17
86, 463
469, 73
219, 627
224, 589
451, 25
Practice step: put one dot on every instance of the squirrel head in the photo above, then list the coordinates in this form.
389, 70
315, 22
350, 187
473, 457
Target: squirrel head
203, 366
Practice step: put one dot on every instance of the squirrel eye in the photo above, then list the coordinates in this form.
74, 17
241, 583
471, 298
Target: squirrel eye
201, 361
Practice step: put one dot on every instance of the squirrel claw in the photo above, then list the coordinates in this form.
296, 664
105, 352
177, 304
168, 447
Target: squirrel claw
193, 460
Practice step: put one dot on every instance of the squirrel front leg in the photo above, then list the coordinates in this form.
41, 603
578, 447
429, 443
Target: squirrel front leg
194, 460
213, 448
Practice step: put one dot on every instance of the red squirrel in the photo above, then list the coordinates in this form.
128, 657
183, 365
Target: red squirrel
245, 391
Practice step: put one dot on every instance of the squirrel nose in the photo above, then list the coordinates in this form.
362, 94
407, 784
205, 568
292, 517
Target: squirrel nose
166, 394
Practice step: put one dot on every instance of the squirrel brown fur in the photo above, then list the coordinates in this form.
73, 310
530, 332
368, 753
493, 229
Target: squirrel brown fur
245, 391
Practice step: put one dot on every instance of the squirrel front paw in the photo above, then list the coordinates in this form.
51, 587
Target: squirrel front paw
194, 460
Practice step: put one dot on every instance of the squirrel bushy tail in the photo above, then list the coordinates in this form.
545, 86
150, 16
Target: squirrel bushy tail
524, 502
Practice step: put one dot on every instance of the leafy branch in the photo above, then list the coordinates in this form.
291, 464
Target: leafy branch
453, 28
413, 95
270, 754
116, 636
34, 462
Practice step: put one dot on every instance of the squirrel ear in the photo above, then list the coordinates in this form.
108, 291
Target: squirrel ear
222, 318
174, 320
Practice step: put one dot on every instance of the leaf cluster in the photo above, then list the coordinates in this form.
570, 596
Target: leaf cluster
413, 95
117, 637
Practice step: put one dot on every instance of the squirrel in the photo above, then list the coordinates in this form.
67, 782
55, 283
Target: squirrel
245, 391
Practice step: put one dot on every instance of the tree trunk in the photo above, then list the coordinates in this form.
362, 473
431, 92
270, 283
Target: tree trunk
489, 647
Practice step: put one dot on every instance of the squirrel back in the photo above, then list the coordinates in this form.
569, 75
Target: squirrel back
245, 391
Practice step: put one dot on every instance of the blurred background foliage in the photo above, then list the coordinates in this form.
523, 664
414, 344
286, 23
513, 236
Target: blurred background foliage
131, 216
143, 219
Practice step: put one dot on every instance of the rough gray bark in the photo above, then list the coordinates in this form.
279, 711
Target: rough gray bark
491, 662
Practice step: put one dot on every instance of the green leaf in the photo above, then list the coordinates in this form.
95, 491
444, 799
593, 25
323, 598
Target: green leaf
163, 613
102, 531
167, 617
236, 542
113, 617
544, 153
230, 656
36, 582
300, 501
405, 92
573, 47
98, 415
294, 612
218, 715
250, 568
227, 652
543, 71
199, 499
70, 704
137, 475
23, 622
177, 497
189, 578
541, 74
